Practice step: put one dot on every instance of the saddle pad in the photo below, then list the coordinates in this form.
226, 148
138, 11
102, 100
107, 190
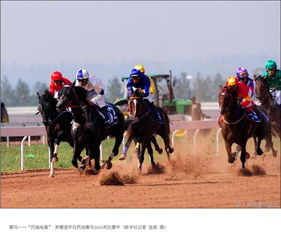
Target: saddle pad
109, 115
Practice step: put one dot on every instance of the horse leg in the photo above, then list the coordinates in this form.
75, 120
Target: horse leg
114, 152
95, 154
269, 144
258, 148
51, 147
150, 151
166, 140
157, 148
140, 152
231, 156
55, 153
243, 154
77, 149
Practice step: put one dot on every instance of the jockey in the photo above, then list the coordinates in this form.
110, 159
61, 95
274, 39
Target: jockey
243, 76
57, 82
152, 88
272, 77
95, 94
244, 95
139, 80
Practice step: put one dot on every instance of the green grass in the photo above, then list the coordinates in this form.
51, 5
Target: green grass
10, 156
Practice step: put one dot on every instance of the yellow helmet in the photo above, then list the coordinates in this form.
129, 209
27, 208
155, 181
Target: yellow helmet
140, 67
232, 80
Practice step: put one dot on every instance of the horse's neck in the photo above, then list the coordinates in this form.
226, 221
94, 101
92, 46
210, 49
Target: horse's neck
78, 115
144, 109
93, 115
234, 112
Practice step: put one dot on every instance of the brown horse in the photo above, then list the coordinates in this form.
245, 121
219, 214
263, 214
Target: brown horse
268, 104
236, 126
143, 128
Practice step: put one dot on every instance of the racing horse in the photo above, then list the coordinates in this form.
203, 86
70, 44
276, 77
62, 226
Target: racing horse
57, 125
268, 104
236, 126
143, 128
88, 128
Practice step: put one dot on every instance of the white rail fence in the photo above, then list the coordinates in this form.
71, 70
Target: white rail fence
29, 131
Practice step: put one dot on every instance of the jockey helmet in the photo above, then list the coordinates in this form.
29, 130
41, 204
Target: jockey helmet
242, 73
232, 80
270, 64
140, 67
82, 74
56, 76
136, 73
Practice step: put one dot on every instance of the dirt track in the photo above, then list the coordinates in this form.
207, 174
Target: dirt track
194, 182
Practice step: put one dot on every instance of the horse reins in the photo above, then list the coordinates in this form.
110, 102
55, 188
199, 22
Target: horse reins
233, 123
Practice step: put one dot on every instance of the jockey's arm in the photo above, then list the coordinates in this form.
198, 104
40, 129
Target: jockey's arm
146, 83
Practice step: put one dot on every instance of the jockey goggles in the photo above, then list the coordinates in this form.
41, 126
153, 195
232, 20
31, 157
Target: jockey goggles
82, 80
243, 75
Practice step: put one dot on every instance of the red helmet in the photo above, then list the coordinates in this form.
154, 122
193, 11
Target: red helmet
56, 76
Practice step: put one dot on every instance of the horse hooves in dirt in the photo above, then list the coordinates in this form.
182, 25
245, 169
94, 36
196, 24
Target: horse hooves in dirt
108, 165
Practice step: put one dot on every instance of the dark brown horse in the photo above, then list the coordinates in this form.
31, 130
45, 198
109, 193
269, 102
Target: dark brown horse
236, 126
89, 129
143, 128
58, 125
268, 104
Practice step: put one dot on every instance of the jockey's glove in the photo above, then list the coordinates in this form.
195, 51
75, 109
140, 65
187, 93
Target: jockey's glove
96, 98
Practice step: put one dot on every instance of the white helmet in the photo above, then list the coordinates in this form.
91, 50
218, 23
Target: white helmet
82, 74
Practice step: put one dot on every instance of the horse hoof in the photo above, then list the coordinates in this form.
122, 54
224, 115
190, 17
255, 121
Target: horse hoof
274, 154
108, 165
51, 175
122, 157
80, 170
171, 150
231, 160
160, 151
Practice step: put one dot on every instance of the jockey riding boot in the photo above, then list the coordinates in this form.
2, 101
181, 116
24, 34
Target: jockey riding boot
252, 115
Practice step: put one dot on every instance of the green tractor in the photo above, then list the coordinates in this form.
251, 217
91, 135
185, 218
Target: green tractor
164, 95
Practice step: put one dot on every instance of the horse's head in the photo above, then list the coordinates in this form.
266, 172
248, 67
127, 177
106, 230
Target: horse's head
47, 106
227, 98
136, 106
262, 90
65, 96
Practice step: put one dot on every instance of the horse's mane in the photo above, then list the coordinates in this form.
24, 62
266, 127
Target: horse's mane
262, 86
48, 97
81, 92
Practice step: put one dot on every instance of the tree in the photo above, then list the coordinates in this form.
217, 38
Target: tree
201, 88
113, 90
7, 93
182, 87
22, 92
38, 87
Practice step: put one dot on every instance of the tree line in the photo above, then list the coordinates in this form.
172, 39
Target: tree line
204, 88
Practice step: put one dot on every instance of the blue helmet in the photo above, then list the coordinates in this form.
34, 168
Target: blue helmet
136, 73
82, 74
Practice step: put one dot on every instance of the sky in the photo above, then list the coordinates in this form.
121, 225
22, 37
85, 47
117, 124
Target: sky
109, 38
